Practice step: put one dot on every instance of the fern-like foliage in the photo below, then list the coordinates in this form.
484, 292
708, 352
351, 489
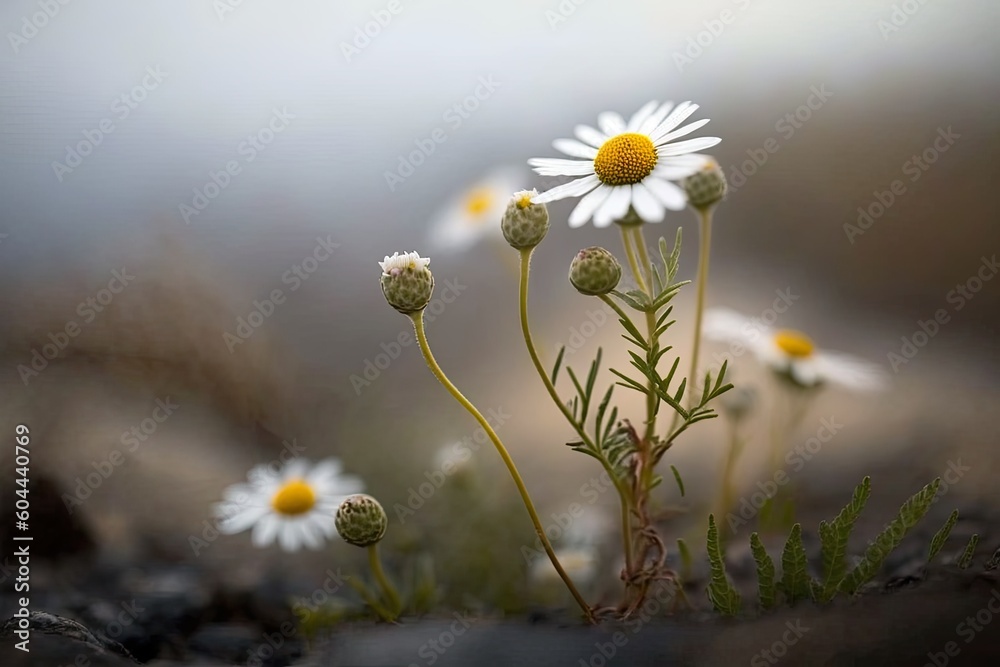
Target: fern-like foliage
796, 584
724, 598
910, 513
941, 536
834, 537
970, 550
767, 591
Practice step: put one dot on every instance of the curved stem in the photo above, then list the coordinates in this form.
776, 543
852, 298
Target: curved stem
551, 389
418, 327
387, 588
705, 243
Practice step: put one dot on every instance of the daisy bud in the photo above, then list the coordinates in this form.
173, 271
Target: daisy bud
524, 224
595, 271
406, 282
361, 521
707, 187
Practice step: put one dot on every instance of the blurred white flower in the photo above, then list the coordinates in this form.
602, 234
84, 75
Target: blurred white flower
475, 213
792, 353
627, 166
295, 505
580, 564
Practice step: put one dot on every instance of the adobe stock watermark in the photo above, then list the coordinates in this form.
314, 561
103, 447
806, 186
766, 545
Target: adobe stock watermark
372, 368
913, 168
698, 43
88, 310
364, 35
899, 16
455, 116
233, 506
225, 7
436, 478
968, 629
794, 631
131, 440
786, 127
561, 13
248, 149
662, 598
432, 650
957, 298
796, 459
32, 24
295, 277
122, 107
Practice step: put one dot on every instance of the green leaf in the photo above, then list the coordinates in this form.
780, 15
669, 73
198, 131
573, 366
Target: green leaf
994, 561
599, 417
628, 300
680, 482
795, 580
559, 360
686, 560
724, 598
834, 538
767, 591
970, 550
910, 513
941, 536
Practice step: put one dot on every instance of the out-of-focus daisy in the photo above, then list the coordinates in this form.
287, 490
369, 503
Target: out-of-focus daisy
792, 353
580, 564
625, 165
295, 505
475, 213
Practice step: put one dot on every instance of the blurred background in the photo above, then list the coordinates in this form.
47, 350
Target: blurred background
210, 149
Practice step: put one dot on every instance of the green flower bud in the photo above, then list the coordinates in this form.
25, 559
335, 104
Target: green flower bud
361, 521
706, 187
406, 282
595, 271
524, 224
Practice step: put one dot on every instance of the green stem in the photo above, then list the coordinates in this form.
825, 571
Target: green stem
387, 588
651, 398
370, 600
647, 269
633, 264
705, 244
418, 327
551, 389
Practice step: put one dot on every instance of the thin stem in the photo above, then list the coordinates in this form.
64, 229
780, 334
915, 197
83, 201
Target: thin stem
418, 327
633, 264
647, 269
387, 588
651, 398
705, 243
580, 431
366, 595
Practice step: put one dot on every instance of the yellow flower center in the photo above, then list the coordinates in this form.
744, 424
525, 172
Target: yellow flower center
295, 497
794, 343
524, 201
477, 203
625, 159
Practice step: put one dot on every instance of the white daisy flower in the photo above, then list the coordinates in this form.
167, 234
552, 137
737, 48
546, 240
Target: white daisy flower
295, 505
627, 165
408, 260
474, 213
792, 353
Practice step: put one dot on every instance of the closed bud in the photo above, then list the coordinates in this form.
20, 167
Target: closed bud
361, 521
524, 224
595, 271
706, 187
407, 283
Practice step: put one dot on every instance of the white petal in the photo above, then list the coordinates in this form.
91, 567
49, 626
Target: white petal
311, 534
615, 206
575, 188
670, 172
324, 471
611, 123
265, 530
850, 372
295, 469
290, 536
588, 205
589, 135
654, 121
575, 148
676, 117
804, 372
682, 131
689, 146
669, 194
237, 523
347, 485
724, 324
550, 166
646, 205
640, 116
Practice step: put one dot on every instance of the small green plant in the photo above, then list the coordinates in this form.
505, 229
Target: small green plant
797, 584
